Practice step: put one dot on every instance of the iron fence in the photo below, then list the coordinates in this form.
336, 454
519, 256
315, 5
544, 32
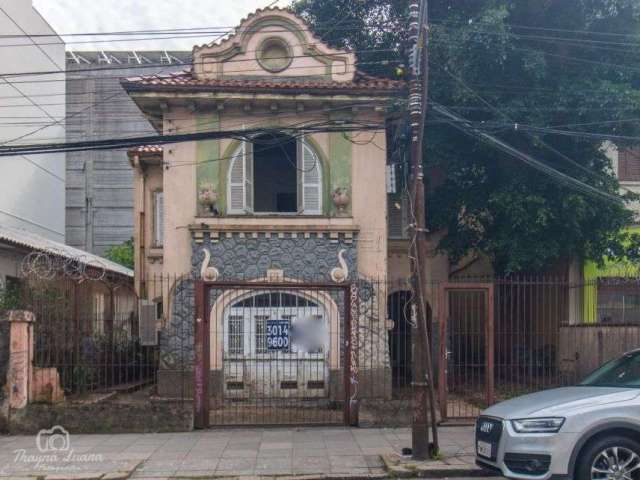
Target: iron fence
505, 337
305, 353
85, 338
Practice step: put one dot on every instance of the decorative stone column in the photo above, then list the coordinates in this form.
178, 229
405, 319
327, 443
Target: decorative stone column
20, 372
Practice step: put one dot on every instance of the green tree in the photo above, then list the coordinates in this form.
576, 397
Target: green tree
571, 64
122, 254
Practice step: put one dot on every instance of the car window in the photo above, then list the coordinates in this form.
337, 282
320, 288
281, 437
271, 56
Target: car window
622, 372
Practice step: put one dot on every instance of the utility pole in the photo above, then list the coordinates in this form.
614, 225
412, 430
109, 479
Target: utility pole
424, 410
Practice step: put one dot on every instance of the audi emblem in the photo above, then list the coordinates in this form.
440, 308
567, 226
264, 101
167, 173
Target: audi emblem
486, 427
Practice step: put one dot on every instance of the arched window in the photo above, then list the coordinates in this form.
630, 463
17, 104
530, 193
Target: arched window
275, 174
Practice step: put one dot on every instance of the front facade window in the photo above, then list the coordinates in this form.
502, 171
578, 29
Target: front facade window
618, 302
275, 174
158, 218
629, 164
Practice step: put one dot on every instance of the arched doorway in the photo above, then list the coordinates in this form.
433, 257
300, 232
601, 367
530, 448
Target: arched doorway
276, 345
399, 311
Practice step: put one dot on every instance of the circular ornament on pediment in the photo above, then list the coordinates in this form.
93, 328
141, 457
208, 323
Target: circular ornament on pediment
274, 54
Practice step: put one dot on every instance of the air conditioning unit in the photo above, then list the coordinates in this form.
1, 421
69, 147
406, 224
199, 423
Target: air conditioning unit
147, 325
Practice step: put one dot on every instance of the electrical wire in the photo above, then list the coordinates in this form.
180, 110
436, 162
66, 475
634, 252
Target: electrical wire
76, 71
330, 126
459, 123
536, 139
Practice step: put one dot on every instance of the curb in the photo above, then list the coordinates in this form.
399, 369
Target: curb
330, 476
398, 467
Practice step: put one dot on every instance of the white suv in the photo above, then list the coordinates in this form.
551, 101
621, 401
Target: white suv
587, 432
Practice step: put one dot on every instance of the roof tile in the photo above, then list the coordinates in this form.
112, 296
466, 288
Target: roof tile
186, 80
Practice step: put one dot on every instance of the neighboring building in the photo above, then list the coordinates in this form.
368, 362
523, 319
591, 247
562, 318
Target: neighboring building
612, 294
303, 209
86, 334
99, 206
32, 186
26, 256
16, 244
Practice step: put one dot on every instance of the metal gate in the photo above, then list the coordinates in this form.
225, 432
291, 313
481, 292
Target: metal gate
466, 363
274, 353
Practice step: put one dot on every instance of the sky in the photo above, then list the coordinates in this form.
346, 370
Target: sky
84, 16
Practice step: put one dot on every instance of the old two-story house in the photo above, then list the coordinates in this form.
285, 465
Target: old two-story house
297, 206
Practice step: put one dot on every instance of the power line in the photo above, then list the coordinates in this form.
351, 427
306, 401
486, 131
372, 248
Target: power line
170, 35
579, 134
204, 62
534, 138
74, 114
557, 55
467, 128
217, 29
552, 29
55, 64
579, 42
110, 144
165, 66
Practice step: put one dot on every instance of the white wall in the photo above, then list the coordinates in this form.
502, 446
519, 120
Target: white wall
32, 188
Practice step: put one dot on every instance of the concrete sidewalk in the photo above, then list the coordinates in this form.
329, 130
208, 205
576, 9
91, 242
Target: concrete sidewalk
338, 452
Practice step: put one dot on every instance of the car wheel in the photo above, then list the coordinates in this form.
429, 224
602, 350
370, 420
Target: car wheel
610, 458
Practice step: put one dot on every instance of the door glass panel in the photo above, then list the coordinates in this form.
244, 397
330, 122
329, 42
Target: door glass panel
236, 335
261, 333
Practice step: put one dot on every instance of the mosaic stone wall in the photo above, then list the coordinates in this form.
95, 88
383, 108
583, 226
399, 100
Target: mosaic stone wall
176, 340
301, 257
246, 258
243, 257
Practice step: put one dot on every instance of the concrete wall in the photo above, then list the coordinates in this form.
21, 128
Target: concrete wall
99, 207
33, 186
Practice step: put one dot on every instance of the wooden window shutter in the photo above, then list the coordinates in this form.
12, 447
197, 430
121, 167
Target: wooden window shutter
310, 185
248, 176
398, 215
236, 190
158, 219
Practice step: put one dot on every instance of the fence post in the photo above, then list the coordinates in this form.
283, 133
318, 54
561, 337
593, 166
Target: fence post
351, 404
201, 367
20, 360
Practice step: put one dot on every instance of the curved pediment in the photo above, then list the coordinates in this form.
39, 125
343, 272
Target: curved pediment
269, 43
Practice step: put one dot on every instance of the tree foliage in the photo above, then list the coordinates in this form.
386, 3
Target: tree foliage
122, 254
570, 64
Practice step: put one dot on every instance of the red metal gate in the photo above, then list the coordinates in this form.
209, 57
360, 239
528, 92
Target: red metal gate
254, 363
466, 362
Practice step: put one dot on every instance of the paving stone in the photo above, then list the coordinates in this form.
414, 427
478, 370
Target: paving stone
228, 453
275, 453
116, 476
237, 465
194, 474
75, 476
274, 466
353, 461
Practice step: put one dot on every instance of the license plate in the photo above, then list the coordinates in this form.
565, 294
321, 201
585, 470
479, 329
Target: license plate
485, 449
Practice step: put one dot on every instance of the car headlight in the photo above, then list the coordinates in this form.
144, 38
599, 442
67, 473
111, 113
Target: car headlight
538, 425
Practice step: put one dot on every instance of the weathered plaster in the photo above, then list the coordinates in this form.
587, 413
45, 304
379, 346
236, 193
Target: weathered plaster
207, 157
340, 150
